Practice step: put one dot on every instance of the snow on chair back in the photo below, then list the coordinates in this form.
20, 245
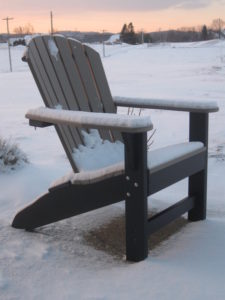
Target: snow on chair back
70, 75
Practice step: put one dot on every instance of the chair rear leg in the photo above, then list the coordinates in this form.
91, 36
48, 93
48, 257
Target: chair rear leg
198, 131
198, 188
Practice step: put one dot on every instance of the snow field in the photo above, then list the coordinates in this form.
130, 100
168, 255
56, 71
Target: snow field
55, 262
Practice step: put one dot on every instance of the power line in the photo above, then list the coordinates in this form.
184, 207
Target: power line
7, 19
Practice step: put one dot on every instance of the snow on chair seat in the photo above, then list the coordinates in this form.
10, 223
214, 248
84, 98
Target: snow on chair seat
157, 159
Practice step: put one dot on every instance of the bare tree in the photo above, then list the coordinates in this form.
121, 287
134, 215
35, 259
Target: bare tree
18, 30
26, 29
217, 25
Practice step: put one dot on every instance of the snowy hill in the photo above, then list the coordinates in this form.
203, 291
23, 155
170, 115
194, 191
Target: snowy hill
66, 260
113, 38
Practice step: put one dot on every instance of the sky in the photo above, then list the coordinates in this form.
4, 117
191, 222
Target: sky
110, 15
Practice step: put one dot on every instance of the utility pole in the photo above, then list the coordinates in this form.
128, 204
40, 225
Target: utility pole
219, 28
160, 35
103, 43
142, 36
7, 19
51, 18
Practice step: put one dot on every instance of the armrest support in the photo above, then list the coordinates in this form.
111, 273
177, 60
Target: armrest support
176, 105
40, 124
199, 127
122, 123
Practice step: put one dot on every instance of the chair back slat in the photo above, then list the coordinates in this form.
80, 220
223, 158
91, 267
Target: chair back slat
101, 82
72, 73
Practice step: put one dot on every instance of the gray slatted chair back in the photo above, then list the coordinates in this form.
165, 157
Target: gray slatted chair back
70, 75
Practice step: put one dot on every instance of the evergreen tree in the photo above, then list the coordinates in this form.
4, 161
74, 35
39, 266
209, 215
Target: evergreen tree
123, 32
128, 35
132, 37
147, 38
130, 27
204, 33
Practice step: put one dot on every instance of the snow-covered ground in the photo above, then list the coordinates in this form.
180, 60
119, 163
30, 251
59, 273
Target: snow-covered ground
56, 262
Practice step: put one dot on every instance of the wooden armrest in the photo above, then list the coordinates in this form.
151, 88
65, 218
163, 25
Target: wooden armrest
176, 105
122, 123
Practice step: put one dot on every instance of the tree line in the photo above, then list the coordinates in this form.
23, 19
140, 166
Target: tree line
130, 36
185, 34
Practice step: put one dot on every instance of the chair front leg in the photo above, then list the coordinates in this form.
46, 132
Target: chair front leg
136, 195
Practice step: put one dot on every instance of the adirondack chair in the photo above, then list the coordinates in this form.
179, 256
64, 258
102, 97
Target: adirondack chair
73, 85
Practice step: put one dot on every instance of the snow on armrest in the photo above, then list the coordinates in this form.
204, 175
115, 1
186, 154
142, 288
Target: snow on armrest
190, 106
24, 56
123, 123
